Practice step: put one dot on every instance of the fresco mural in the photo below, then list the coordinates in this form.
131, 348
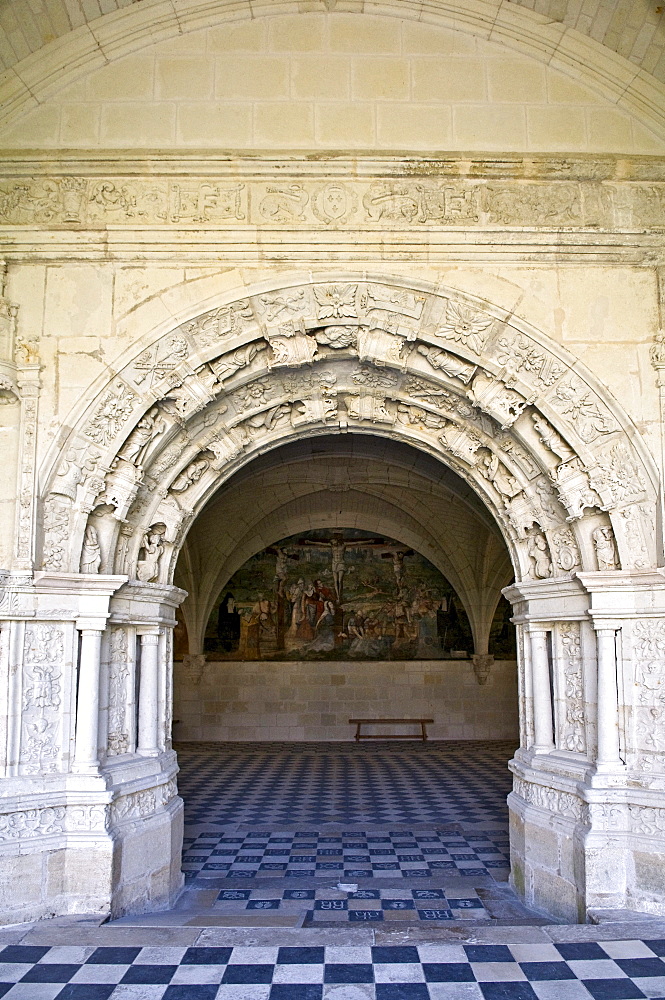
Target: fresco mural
342, 594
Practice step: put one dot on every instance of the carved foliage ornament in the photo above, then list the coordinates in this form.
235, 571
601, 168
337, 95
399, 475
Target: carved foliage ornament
573, 733
42, 679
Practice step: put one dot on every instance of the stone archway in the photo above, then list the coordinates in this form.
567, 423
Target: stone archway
550, 454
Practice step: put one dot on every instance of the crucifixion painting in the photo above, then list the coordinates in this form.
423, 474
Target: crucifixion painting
339, 593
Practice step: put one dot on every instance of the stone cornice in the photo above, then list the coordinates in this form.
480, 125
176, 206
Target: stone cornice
436, 209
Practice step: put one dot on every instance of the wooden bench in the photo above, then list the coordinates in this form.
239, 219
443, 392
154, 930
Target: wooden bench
422, 735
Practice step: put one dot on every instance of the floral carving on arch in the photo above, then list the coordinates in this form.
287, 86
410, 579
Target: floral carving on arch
544, 446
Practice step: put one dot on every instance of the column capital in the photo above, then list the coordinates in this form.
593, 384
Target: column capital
91, 624
149, 637
604, 627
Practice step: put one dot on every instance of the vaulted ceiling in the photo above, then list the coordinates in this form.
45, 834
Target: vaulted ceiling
634, 29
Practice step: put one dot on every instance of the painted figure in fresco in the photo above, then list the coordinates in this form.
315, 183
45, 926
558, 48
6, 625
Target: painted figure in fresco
284, 602
324, 639
228, 623
295, 595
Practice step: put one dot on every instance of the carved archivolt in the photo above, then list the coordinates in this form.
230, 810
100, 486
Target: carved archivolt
536, 438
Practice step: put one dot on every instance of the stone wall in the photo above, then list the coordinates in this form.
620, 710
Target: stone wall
351, 81
314, 701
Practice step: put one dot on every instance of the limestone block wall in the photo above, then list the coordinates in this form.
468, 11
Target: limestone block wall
314, 701
348, 81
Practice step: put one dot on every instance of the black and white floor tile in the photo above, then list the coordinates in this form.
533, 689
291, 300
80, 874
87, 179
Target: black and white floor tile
352, 854
266, 785
611, 970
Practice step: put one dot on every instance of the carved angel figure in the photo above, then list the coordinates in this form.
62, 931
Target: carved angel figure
605, 546
147, 565
553, 441
91, 553
539, 554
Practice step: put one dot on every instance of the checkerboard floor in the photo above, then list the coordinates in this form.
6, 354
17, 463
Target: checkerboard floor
402, 873
609, 970
353, 854
268, 784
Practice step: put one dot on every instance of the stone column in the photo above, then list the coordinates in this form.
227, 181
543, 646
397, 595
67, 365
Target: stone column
87, 706
148, 743
541, 692
607, 758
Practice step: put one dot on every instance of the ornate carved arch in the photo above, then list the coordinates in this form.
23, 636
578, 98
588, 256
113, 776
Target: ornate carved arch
550, 453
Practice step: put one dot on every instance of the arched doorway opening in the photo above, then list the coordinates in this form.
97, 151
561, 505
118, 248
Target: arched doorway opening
568, 484
410, 514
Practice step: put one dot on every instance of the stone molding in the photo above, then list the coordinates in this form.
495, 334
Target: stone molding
532, 202
508, 410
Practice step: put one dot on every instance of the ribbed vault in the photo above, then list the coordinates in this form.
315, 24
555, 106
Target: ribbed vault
356, 481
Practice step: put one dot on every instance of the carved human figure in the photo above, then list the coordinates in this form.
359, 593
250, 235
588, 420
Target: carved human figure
147, 565
149, 427
539, 554
553, 441
605, 547
91, 553
409, 414
448, 363
189, 476
229, 364
493, 470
